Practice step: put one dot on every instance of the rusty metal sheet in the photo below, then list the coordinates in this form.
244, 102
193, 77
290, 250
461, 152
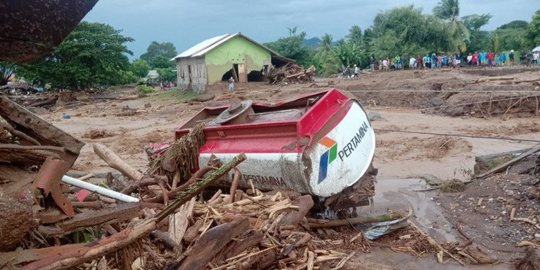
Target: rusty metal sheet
48, 179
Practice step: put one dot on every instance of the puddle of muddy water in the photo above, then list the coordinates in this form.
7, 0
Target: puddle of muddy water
402, 194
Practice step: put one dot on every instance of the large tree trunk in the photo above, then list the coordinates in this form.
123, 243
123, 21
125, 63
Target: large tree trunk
16, 220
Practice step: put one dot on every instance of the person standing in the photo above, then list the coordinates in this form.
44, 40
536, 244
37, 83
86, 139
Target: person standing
412, 63
474, 59
372, 63
231, 84
502, 59
511, 57
385, 64
490, 58
457, 56
356, 71
427, 61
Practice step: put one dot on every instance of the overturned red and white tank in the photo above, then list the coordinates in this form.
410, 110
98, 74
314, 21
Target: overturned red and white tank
320, 144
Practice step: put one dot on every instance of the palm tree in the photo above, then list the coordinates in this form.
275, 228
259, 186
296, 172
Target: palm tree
326, 56
459, 34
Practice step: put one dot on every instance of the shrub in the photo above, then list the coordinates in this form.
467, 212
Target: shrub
145, 89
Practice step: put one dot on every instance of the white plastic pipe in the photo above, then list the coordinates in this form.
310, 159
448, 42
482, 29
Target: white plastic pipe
97, 189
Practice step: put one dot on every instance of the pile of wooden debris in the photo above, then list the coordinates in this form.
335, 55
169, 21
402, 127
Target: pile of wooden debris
291, 73
166, 218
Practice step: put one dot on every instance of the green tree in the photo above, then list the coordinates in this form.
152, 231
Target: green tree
516, 24
93, 54
348, 53
325, 57
474, 22
166, 74
355, 35
406, 31
140, 67
513, 36
293, 47
533, 30
479, 40
459, 34
386, 45
7, 70
158, 55
496, 43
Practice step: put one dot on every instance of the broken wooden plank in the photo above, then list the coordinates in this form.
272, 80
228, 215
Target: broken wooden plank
71, 255
212, 242
193, 190
237, 247
93, 218
25, 121
304, 204
179, 222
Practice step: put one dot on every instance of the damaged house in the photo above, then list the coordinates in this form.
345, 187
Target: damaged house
220, 58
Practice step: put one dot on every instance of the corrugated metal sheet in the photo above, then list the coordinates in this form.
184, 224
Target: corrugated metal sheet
201, 46
204, 47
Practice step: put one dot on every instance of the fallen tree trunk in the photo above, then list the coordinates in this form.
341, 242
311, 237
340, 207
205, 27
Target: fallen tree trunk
116, 162
16, 220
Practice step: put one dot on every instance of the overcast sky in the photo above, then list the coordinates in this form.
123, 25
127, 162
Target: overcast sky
185, 23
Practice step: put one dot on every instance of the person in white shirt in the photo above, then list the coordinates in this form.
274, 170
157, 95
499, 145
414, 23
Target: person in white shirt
356, 71
412, 63
385, 64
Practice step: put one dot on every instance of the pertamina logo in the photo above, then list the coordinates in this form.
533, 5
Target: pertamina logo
327, 157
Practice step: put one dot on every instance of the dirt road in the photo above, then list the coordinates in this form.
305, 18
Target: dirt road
405, 153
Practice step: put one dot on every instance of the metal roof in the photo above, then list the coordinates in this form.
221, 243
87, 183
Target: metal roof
205, 46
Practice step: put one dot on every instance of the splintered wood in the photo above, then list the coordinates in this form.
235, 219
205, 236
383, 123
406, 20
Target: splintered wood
293, 73
255, 231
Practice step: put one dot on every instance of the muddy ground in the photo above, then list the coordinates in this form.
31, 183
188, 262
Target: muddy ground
412, 111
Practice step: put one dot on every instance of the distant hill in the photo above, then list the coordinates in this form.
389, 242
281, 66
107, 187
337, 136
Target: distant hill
312, 42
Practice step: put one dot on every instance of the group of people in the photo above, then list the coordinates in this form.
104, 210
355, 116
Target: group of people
427, 61
434, 60
164, 85
484, 58
351, 72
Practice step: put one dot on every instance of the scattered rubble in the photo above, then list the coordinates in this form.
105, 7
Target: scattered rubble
291, 73
501, 205
241, 228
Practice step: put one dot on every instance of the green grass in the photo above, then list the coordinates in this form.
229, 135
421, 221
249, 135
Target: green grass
145, 89
178, 94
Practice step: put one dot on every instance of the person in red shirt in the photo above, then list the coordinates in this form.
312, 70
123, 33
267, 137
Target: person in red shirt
490, 58
474, 59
